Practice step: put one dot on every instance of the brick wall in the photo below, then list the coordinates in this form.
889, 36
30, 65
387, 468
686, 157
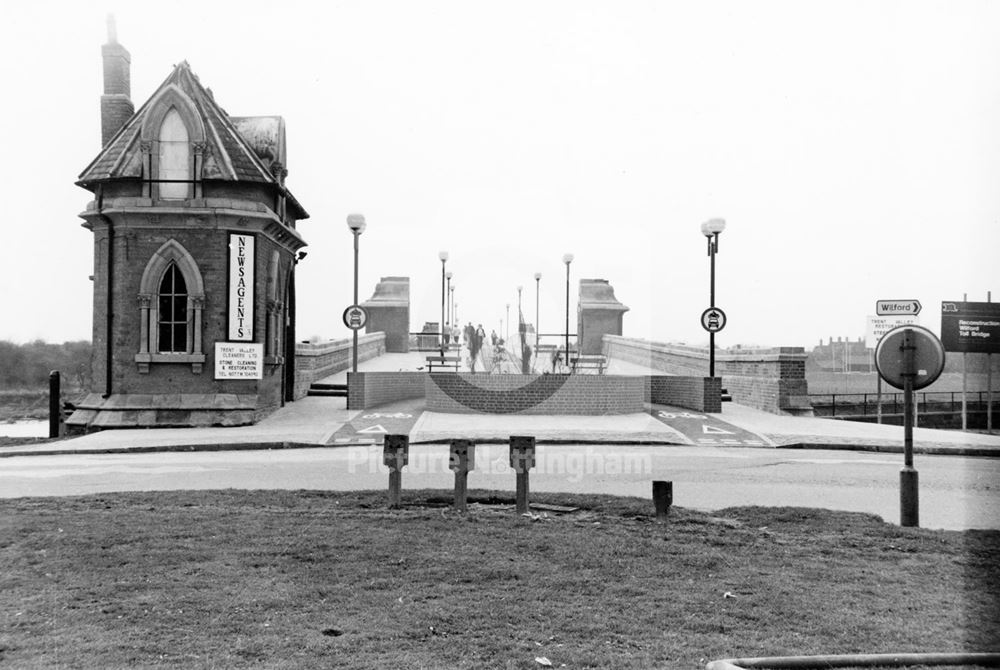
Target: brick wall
371, 389
470, 393
769, 379
703, 394
316, 361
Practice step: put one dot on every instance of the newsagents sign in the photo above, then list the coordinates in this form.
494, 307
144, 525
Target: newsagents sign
971, 327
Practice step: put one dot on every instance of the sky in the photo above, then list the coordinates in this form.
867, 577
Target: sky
853, 148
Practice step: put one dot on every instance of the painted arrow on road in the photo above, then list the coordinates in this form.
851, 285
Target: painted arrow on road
706, 429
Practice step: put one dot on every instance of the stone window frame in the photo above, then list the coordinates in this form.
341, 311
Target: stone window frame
171, 98
171, 252
274, 326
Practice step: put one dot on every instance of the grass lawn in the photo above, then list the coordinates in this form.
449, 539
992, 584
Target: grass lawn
234, 579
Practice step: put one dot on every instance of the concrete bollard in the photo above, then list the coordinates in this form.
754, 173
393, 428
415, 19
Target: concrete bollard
395, 455
663, 498
463, 459
522, 459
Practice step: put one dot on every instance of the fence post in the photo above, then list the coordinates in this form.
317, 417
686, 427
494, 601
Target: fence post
395, 454
463, 459
55, 404
522, 459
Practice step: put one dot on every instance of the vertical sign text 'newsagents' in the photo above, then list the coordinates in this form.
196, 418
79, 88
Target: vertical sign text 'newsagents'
241, 284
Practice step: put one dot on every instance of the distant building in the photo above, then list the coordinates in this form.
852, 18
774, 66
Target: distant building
842, 355
195, 246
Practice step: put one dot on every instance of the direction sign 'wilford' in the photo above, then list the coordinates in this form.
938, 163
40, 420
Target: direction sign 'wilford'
897, 307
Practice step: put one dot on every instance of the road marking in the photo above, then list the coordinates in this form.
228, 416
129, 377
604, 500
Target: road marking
377, 428
715, 430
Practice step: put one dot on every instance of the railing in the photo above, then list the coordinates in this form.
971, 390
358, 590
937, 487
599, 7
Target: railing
853, 405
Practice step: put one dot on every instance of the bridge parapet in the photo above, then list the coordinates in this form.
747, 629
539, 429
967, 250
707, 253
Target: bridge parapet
314, 361
770, 379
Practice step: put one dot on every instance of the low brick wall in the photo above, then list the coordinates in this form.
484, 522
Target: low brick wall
480, 393
316, 361
371, 389
703, 394
476, 393
773, 380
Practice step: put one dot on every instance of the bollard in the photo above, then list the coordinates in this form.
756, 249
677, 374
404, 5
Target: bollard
663, 498
463, 459
55, 404
395, 455
522, 459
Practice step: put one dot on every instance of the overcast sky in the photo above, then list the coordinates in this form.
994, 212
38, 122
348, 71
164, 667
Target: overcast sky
852, 147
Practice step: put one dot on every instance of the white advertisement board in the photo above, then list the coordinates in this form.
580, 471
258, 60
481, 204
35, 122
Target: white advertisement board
239, 360
241, 298
880, 325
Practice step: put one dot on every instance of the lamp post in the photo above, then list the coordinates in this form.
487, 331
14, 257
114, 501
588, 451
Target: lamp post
567, 259
356, 222
451, 306
711, 230
507, 332
447, 318
519, 289
443, 255
538, 330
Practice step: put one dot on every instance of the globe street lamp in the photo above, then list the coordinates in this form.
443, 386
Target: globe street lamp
356, 222
567, 259
538, 330
443, 255
711, 230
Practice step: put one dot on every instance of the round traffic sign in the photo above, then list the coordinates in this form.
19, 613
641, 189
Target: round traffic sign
928, 356
713, 319
355, 317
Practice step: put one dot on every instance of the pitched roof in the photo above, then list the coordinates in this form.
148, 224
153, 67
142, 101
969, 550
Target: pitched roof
228, 154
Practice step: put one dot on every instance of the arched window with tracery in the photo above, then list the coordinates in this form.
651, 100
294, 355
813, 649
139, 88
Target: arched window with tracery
171, 303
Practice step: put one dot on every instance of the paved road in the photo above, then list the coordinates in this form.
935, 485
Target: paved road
955, 492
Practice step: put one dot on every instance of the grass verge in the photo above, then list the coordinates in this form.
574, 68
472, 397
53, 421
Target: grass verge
318, 579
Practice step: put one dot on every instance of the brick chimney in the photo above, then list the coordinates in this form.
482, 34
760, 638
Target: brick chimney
116, 105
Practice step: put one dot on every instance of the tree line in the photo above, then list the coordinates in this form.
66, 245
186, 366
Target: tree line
27, 366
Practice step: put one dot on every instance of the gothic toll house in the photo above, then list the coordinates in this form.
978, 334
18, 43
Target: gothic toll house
194, 256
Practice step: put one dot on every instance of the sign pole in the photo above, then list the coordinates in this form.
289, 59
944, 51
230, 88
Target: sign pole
989, 382
989, 393
909, 505
880, 398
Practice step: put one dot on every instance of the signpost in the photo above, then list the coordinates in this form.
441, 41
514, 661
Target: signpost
972, 327
909, 358
713, 319
897, 307
355, 317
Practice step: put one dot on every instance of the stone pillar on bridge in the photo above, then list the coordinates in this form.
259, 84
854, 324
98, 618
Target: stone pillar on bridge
598, 314
389, 312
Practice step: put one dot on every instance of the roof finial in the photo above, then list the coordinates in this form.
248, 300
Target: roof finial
112, 31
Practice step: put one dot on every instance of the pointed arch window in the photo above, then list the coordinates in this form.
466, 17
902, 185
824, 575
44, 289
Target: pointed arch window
175, 157
171, 303
173, 312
